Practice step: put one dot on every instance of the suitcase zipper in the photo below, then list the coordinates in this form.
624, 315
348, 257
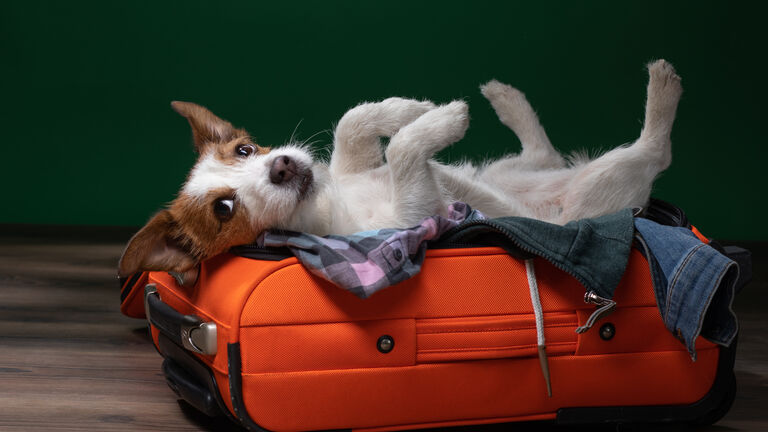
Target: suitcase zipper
606, 307
255, 251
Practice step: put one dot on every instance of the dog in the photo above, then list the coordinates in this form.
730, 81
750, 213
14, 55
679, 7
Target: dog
237, 189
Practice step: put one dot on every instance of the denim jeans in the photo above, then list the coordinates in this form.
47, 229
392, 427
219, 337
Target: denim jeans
694, 284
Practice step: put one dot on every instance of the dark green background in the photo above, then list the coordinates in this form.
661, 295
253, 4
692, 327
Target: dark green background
88, 136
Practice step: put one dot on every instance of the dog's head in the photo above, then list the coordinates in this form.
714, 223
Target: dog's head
236, 190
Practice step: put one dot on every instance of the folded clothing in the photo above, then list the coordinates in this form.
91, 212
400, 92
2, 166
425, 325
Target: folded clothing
694, 283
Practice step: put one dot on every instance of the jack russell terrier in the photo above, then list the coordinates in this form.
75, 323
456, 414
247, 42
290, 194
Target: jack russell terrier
237, 189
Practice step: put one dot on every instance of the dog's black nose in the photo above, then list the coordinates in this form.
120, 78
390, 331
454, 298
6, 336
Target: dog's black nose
283, 169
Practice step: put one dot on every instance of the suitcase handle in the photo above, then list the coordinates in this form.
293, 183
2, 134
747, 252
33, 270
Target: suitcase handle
189, 331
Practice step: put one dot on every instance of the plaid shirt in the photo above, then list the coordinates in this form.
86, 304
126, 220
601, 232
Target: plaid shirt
366, 262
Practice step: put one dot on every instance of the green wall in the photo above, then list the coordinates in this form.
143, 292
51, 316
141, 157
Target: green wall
88, 136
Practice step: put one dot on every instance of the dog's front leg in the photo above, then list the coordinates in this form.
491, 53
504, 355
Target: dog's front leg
416, 192
357, 147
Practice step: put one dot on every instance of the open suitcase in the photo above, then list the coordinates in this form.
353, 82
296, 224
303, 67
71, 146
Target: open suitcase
261, 340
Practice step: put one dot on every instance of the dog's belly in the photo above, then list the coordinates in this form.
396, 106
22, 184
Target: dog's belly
534, 194
368, 200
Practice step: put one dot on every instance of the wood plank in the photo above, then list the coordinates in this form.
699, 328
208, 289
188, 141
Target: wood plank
68, 360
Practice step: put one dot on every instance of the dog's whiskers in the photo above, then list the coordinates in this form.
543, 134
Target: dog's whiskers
293, 134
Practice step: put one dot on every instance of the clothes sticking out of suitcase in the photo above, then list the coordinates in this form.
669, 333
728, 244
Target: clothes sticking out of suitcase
498, 326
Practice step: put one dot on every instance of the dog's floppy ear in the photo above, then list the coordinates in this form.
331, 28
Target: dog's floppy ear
155, 248
207, 128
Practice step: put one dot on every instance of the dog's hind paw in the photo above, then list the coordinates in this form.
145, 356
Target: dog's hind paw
663, 79
497, 92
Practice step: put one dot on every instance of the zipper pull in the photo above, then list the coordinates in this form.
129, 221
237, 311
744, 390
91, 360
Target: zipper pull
606, 307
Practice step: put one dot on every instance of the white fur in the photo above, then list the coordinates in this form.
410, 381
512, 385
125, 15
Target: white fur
359, 191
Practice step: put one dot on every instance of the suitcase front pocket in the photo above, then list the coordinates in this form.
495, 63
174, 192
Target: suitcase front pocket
504, 336
327, 346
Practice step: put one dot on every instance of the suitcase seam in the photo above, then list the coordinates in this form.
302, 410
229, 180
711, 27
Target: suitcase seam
505, 348
490, 330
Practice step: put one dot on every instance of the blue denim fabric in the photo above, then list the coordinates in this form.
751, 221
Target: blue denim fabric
694, 284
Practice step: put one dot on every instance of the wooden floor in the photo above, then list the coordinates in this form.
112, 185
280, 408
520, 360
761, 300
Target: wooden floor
70, 362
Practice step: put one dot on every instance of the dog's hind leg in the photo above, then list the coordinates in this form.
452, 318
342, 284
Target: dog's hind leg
514, 111
416, 192
623, 177
357, 147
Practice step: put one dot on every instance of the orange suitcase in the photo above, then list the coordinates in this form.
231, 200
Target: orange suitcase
273, 347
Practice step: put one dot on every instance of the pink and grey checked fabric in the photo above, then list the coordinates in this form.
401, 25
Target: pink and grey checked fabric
366, 262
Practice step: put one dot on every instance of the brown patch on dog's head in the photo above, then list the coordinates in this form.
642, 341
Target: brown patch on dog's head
210, 131
194, 228
191, 230
157, 246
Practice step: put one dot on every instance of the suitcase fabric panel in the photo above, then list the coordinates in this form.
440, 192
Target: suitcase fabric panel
448, 286
456, 391
309, 347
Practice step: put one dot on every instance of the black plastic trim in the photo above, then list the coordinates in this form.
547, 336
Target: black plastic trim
200, 389
127, 283
236, 388
708, 410
261, 253
665, 213
188, 388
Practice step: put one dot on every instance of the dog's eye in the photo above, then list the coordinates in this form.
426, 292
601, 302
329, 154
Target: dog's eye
245, 150
224, 208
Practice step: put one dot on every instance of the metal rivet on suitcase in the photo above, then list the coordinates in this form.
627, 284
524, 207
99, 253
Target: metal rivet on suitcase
385, 344
607, 331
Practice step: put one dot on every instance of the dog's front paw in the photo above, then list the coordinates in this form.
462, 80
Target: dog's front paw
404, 111
430, 133
374, 119
448, 122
